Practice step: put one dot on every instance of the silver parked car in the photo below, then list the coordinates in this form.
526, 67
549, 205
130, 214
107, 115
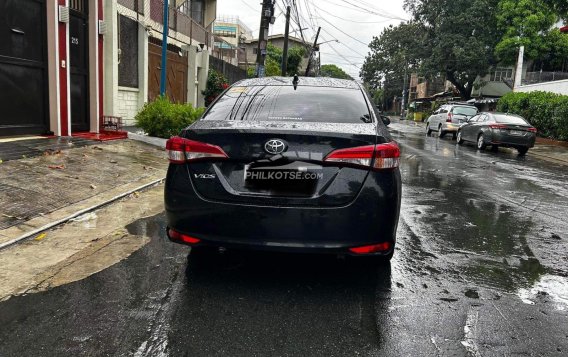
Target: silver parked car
498, 129
449, 117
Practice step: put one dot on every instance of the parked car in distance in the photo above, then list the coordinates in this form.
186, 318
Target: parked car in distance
498, 129
449, 117
275, 164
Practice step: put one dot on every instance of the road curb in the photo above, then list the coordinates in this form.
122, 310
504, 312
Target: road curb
78, 213
159, 142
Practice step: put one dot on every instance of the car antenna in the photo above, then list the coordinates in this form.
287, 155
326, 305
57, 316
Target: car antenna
295, 81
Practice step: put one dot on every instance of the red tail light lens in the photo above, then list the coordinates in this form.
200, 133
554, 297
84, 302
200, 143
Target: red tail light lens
369, 249
182, 150
177, 236
532, 130
497, 126
387, 156
449, 120
382, 156
360, 156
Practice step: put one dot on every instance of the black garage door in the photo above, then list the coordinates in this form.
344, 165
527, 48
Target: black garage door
23, 65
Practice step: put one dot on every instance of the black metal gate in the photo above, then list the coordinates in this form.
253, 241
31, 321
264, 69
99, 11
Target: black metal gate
23, 67
79, 65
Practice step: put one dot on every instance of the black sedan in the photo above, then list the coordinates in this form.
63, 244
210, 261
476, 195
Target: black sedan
285, 164
498, 129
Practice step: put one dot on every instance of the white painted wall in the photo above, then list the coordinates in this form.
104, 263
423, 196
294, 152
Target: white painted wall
127, 104
559, 87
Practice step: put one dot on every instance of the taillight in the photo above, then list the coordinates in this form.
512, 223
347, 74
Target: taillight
381, 156
182, 150
369, 249
532, 130
177, 236
497, 126
449, 120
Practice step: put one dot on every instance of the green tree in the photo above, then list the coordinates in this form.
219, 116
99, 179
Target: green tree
331, 70
530, 23
393, 56
216, 84
273, 61
393, 53
458, 41
295, 56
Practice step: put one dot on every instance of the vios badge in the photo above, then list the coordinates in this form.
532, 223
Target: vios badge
275, 146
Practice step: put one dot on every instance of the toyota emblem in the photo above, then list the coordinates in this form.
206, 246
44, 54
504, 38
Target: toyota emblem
275, 146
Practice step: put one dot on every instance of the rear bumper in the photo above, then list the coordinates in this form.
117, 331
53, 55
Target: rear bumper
371, 218
508, 140
450, 127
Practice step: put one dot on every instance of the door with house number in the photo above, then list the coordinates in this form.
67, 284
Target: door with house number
79, 65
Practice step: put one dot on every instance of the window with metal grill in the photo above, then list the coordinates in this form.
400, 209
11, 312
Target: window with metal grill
128, 52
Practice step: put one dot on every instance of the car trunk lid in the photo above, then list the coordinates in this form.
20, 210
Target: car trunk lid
250, 174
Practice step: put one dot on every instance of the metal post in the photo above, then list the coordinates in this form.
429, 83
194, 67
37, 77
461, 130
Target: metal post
262, 37
164, 50
403, 104
285, 50
312, 52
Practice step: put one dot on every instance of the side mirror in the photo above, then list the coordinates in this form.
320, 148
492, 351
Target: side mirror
385, 120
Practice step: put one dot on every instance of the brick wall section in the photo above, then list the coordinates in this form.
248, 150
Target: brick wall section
127, 105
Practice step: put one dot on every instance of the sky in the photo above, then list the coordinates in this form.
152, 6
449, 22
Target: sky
352, 22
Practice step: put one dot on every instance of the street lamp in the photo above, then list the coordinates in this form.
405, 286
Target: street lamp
316, 48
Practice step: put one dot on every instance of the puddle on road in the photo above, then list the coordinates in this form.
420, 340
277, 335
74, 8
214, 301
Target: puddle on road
82, 247
468, 233
549, 288
88, 220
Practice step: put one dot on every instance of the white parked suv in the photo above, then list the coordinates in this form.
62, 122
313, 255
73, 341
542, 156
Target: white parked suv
448, 118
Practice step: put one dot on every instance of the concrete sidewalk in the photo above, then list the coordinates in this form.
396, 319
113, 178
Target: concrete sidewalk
544, 149
35, 192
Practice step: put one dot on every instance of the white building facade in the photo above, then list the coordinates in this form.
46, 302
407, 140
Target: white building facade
132, 61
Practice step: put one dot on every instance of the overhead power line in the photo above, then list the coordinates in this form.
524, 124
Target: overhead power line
350, 20
249, 6
345, 33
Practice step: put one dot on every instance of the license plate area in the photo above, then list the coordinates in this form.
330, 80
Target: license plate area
516, 132
283, 179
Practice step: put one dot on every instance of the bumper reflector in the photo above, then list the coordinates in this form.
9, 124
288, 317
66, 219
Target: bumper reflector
177, 236
368, 249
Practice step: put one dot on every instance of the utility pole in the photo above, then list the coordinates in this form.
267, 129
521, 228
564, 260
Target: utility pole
266, 18
286, 36
312, 52
164, 63
404, 92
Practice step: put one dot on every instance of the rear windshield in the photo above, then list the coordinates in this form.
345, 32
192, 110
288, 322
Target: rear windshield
283, 103
469, 111
509, 119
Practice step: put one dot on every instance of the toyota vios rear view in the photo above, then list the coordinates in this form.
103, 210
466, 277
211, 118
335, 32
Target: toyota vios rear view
280, 164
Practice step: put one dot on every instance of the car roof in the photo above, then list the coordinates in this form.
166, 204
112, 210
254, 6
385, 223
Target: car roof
460, 105
503, 114
303, 81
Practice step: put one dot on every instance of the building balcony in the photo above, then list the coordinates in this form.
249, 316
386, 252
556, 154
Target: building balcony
541, 77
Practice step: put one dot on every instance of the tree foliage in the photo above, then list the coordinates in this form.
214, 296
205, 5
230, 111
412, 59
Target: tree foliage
273, 61
393, 56
530, 23
164, 119
548, 112
216, 84
393, 53
333, 71
460, 37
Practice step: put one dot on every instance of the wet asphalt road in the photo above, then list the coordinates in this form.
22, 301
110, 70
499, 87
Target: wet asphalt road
481, 269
